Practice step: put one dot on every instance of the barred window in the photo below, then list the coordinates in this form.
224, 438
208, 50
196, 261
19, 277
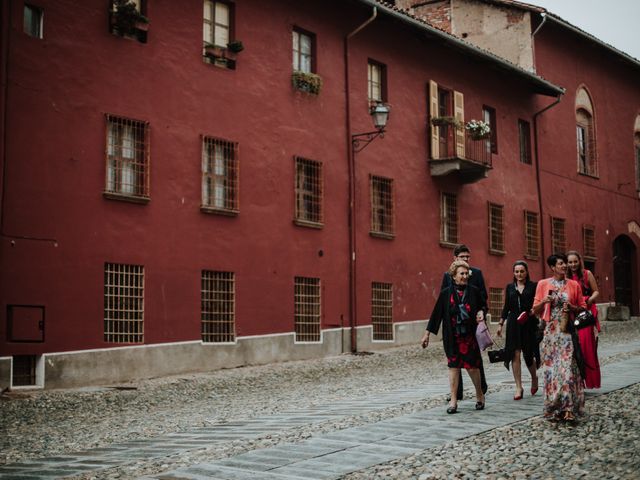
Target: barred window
376, 82
308, 190
127, 159
448, 218
558, 236
531, 235
303, 51
123, 303
382, 216
524, 133
496, 228
496, 302
217, 306
307, 304
589, 242
219, 176
382, 310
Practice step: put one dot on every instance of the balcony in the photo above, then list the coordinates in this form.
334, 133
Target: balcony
455, 152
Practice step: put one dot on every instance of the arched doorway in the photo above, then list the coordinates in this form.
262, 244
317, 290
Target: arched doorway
624, 269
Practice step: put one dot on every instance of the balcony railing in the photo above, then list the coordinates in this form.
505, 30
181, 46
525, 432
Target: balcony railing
456, 151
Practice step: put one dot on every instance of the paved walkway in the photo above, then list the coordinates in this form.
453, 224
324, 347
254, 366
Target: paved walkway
331, 455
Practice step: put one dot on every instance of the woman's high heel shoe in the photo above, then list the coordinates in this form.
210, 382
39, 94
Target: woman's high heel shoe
519, 395
453, 409
534, 390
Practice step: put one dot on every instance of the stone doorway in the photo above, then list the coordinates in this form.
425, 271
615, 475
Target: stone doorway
624, 272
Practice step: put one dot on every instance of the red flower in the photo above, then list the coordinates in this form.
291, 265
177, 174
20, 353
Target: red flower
464, 348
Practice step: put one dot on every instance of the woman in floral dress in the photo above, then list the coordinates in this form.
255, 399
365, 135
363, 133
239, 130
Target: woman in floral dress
458, 309
555, 298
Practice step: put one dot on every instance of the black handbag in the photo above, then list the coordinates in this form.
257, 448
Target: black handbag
498, 355
584, 319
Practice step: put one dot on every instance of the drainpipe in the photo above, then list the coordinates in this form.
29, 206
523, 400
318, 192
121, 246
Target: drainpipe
533, 46
353, 323
4, 79
536, 154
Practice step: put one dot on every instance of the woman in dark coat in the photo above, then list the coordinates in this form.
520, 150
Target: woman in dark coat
458, 309
521, 337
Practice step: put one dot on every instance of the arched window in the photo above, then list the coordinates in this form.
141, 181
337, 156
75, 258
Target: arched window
636, 138
585, 134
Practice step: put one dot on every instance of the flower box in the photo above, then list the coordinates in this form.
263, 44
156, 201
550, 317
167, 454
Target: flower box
444, 121
307, 82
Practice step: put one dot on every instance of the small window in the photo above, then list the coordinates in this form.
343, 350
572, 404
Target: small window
558, 235
123, 303
218, 34
127, 159
308, 190
524, 133
33, 21
303, 51
637, 152
496, 228
382, 217
531, 235
589, 242
307, 303
127, 19
448, 218
219, 176
376, 82
496, 302
489, 116
217, 305
382, 310
24, 370
586, 144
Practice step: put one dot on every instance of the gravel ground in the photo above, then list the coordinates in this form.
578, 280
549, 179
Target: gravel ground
46, 423
605, 444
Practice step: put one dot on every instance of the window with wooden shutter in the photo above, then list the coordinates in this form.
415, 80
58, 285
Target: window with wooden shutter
458, 112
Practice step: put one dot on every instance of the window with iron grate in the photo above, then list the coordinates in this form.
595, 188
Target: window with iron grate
309, 193
220, 167
123, 303
217, 306
382, 211
589, 242
307, 309
531, 235
382, 310
23, 370
558, 235
127, 159
448, 218
496, 302
496, 228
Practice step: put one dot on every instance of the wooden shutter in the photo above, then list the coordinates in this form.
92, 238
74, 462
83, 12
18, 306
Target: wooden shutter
458, 111
433, 110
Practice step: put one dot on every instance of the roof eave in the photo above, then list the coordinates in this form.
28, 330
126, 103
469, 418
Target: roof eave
538, 84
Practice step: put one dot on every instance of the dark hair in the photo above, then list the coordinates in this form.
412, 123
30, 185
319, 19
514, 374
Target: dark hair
526, 268
553, 259
460, 249
580, 271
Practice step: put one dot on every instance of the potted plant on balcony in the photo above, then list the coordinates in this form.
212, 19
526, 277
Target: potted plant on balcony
478, 129
126, 19
306, 82
213, 51
444, 121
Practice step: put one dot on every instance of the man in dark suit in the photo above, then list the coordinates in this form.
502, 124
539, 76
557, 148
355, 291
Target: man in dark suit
462, 252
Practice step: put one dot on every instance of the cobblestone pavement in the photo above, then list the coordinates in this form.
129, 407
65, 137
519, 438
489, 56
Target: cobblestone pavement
377, 416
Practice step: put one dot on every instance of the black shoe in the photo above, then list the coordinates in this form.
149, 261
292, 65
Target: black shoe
479, 405
452, 409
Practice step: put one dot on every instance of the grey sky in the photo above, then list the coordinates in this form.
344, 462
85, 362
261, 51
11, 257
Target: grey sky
612, 21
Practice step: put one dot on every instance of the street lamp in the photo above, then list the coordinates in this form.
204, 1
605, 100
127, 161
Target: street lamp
379, 115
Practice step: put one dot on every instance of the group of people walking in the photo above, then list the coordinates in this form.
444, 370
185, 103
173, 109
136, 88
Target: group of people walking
538, 318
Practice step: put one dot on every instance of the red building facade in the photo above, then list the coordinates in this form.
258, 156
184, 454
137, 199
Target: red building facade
174, 201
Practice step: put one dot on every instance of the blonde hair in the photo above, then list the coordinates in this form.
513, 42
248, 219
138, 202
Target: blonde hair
456, 265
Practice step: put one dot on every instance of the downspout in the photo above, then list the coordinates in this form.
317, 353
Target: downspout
536, 154
533, 46
4, 79
352, 190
